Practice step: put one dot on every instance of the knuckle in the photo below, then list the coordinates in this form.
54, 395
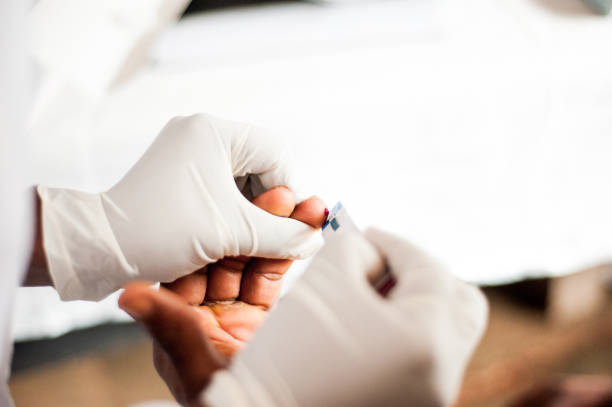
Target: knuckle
189, 128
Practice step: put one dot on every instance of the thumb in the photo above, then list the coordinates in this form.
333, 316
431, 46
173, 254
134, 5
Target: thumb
280, 238
177, 328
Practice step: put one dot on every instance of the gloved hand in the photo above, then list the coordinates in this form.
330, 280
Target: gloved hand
175, 211
333, 341
201, 320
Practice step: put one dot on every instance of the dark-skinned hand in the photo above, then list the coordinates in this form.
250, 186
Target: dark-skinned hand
199, 321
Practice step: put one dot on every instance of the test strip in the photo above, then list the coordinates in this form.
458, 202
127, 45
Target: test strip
339, 222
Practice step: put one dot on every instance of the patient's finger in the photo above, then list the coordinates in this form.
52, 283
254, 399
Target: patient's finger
262, 280
278, 201
177, 327
191, 287
311, 211
224, 276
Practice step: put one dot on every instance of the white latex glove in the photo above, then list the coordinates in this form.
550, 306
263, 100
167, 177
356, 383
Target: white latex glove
333, 341
175, 211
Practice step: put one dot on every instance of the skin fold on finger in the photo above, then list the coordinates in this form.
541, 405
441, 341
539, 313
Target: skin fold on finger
262, 279
224, 277
231, 324
191, 287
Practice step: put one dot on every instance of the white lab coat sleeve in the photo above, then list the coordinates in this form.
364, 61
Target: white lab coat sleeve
15, 198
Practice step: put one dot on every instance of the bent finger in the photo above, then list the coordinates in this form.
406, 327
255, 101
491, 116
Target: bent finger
191, 287
262, 280
224, 277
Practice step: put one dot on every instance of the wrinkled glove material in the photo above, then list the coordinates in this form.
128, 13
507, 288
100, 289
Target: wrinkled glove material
176, 210
333, 341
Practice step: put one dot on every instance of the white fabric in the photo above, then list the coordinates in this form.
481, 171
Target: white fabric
15, 200
333, 341
176, 210
478, 129
52, 317
72, 73
113, 39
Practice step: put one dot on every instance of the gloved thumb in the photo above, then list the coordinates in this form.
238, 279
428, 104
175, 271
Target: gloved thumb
279, 237
415, 271
423, 283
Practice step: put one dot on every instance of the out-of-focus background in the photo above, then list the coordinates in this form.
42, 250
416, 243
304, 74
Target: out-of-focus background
480, 130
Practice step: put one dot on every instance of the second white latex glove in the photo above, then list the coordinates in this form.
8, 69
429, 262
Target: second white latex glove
175, 211
333, 341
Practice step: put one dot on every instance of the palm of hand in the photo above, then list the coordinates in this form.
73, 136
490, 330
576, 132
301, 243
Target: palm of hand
228, 323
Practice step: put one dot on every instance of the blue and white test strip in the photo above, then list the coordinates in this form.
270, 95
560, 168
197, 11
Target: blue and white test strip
339, 222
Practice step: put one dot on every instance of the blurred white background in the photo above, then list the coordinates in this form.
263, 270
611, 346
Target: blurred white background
481, 131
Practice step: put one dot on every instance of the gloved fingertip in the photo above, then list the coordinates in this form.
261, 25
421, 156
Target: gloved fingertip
398, 251
310, 247
375, 236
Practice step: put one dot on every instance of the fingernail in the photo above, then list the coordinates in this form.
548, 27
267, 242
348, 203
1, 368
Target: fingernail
326, 213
